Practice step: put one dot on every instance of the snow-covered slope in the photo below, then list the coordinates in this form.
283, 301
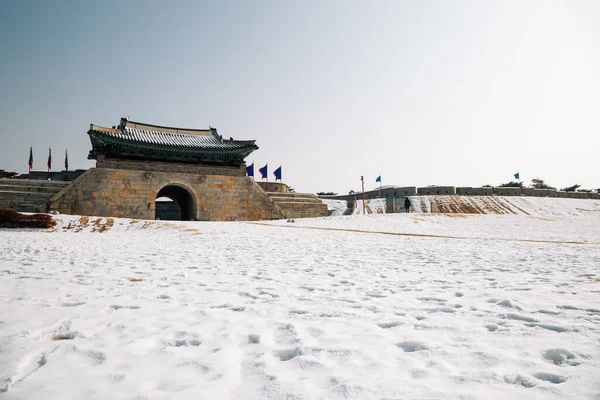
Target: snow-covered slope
403, 306
540, 206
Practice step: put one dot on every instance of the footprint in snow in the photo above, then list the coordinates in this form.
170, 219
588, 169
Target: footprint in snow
553, 378
516, 317
64, 336
253, 339
73, 304
441, 309
519, 380
549, 327
387, 325
560, 357
508, 304
288, 354
410, 346
116, 307
183, 342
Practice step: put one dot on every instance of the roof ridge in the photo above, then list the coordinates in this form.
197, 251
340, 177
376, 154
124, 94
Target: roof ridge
126, 123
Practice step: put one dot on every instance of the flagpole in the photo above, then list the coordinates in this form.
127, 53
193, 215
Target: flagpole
363, 192
30, 161
66, 164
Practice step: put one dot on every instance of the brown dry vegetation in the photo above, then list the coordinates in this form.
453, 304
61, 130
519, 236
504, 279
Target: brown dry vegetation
102, 227
475, 205
13, 219
98, 225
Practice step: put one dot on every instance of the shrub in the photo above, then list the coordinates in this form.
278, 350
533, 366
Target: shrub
540, 184
12, 219
512, 184
7, 174
571, 188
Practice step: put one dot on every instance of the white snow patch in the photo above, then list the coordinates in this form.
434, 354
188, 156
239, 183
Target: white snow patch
484, 306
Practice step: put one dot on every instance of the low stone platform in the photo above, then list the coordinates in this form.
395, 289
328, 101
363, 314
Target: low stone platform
28, 195
299, 205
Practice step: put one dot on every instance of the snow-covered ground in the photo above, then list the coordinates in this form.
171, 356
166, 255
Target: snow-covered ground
339, 207
405, 306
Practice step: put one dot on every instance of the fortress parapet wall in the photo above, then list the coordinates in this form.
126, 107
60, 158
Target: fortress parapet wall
436, 190
477, 191
578, 195
464, 191
507, 191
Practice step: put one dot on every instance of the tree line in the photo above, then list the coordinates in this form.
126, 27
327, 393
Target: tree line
538, 183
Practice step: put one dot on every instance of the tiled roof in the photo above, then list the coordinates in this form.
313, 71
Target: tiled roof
170, 137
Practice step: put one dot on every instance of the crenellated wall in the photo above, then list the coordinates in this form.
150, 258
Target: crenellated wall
462, 191
436, 190
477, 191
273, 187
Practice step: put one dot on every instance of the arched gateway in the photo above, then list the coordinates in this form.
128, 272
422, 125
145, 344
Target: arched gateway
136, 163
180, 206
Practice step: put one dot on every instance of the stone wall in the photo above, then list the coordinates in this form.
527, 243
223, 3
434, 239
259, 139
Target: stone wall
436, 190
462, 191
400, 191
578, 195
477, 191
507, 191
199, 169
273, 187
52, 175
539, 192
132, 194
375, 194
28, 195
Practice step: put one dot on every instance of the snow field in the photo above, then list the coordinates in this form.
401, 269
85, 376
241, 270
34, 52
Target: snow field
289, 310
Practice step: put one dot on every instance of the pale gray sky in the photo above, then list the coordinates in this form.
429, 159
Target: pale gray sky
458, 93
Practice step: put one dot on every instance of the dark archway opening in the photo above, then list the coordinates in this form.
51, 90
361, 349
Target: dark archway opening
174, 203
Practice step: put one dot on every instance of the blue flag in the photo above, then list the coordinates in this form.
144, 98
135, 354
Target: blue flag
49, 159
263, 171
250, 170
277, 173
66, 160
378, 179
517, 175
30, 158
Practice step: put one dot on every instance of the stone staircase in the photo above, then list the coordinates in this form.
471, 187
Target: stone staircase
299, 205
28, 195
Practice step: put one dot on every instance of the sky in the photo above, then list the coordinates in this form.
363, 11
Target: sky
462, 93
